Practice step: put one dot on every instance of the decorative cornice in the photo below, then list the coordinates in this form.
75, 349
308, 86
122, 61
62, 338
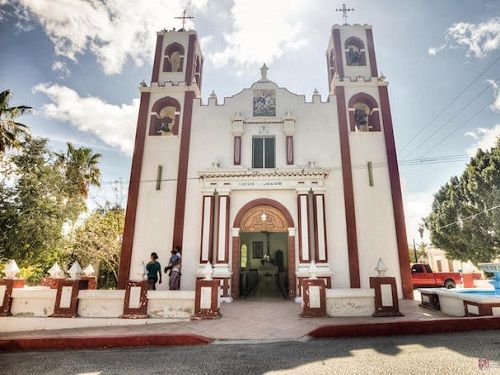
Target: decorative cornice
263, 179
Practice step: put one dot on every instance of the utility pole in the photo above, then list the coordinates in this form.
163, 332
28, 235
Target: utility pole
415, 251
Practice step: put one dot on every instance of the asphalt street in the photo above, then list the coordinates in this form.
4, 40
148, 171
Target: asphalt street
430, 354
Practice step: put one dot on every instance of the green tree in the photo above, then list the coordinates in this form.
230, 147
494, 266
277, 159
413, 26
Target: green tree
81, 168
465, 217
98, 240
39, 205
33, 207
11, 132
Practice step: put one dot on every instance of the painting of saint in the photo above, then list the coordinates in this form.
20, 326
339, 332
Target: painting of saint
264, 102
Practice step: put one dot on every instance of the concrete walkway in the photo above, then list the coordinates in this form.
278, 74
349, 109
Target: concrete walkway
251, 319
246, 321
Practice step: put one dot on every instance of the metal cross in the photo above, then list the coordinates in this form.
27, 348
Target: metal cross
344, 11
184, 17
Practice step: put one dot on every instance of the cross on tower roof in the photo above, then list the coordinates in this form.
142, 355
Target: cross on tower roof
184, 17
344, 11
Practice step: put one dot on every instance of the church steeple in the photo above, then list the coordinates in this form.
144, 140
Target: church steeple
178, 59
350, 54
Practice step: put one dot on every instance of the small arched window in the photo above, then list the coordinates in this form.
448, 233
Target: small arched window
165, 117
355, 52
364, 113
174, 58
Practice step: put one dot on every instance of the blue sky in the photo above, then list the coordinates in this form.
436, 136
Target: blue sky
78, 65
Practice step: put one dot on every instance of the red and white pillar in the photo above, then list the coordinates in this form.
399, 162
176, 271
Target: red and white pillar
221, 265
207, 229
304, 227
321, 250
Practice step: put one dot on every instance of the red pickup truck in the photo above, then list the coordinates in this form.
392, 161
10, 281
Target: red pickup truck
422, 277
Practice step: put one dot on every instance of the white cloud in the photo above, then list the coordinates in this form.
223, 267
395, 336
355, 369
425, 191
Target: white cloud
114, 31
485, 138
477, 39
495, 106
117, 31
261, 32
62, 68
114, 124
434, 50
417, 206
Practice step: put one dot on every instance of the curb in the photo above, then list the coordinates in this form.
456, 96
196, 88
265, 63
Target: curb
408, 327
97, 342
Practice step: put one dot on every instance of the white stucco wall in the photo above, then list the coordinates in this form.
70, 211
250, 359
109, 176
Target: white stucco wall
34, 301
350, 302
316, 138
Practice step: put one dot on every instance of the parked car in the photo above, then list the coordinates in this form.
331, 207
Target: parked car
423, 277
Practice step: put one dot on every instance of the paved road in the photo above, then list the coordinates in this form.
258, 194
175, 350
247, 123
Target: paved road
432, 354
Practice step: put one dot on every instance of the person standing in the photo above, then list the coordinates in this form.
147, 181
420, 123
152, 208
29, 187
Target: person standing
174, 266
154, 271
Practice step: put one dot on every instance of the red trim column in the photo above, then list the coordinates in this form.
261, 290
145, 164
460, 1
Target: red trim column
133, 192
190, 59
158, 55
222, 249
235, 266
371, 53
350, 214
337, 46
321, 248
207, 229
292, 279
397, 197
180, 201
304, 229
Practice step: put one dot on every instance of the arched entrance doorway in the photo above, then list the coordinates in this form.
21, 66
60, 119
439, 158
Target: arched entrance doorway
263, 249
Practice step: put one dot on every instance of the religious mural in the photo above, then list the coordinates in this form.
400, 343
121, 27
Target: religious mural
264, 102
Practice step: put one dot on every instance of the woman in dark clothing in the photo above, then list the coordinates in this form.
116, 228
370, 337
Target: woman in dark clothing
154, 269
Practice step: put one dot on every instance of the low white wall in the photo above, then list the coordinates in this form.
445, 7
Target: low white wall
350, 302
33, 301
100, 303
165, 304
170, 304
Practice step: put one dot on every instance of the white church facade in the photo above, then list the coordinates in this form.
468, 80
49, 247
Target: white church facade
264, 182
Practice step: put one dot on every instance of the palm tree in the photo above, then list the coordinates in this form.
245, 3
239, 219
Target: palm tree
11, 132
81, 167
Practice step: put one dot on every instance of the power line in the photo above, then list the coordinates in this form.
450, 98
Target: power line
408, 162
459, 127
459, 221
439, 128
448, 105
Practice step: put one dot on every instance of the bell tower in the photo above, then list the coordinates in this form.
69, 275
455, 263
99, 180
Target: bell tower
178, 60
161, 150
351, 54
367, 139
